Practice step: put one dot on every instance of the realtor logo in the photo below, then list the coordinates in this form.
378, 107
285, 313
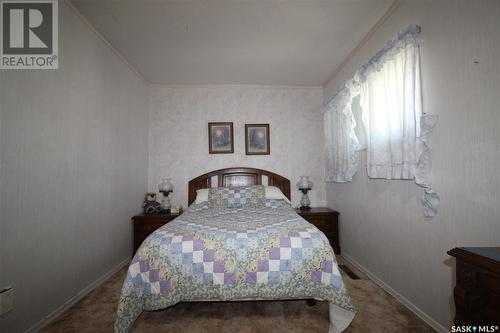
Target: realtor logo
29, 38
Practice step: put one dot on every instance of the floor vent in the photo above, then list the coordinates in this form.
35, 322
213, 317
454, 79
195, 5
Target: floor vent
348, 271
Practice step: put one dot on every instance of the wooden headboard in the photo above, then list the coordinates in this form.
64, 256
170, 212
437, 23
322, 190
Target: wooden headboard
237, 176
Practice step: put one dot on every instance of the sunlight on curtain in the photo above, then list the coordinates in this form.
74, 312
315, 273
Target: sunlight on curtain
391, 115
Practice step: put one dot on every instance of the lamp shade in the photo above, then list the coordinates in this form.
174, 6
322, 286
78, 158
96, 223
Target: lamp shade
165, 185
304, 183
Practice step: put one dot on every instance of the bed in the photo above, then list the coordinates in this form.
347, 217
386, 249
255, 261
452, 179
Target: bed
240, 244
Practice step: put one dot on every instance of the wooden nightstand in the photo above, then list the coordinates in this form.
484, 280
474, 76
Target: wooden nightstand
144, 225
326, 220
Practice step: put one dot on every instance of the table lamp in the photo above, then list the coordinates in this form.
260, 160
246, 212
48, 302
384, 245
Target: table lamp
165, 188
305, 185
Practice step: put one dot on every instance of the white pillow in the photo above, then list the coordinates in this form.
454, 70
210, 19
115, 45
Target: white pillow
272, 192
201, 196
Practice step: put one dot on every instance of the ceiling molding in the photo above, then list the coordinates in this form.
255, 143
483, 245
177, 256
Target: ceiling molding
364, 40
107, 42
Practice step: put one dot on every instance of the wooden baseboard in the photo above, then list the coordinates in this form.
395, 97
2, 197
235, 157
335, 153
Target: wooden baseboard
73, 300
412, 307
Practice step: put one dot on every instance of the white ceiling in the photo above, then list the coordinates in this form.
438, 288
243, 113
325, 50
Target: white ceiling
268, 42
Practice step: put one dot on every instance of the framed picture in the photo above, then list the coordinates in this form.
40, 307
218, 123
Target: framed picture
220, 138
257, 140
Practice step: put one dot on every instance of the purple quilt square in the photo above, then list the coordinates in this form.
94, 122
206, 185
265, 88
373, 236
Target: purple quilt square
274, 253
197, 245
187, 238
219, 266
251, 277
285, 242
208, 255
229, 278
293, 234
263, 266
154, 275
328, 266
144, 264
165, 286
316, 277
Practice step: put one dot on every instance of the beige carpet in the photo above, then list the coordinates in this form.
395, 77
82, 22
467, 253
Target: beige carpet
377, 311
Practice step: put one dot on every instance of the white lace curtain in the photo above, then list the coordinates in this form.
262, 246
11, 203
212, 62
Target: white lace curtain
341, 140
391, 110
396, 130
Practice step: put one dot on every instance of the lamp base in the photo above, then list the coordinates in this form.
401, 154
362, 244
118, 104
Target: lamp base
305, 203
165, 203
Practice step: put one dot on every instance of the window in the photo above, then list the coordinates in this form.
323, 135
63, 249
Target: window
391, 110
380, 110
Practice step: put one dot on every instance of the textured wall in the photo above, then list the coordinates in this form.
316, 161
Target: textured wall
382, 226
73, 153
179, 135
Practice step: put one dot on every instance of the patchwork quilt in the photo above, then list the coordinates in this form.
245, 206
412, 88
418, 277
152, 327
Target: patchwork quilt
227, 253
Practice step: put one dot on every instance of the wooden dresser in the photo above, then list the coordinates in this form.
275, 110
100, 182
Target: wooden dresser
144, 225
477, 290
326, 220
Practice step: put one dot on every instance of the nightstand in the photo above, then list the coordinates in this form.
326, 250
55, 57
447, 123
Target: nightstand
144, 225
326, 220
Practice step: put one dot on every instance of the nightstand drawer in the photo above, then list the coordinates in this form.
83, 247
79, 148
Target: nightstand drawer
148, 228
145, 225
325, 224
